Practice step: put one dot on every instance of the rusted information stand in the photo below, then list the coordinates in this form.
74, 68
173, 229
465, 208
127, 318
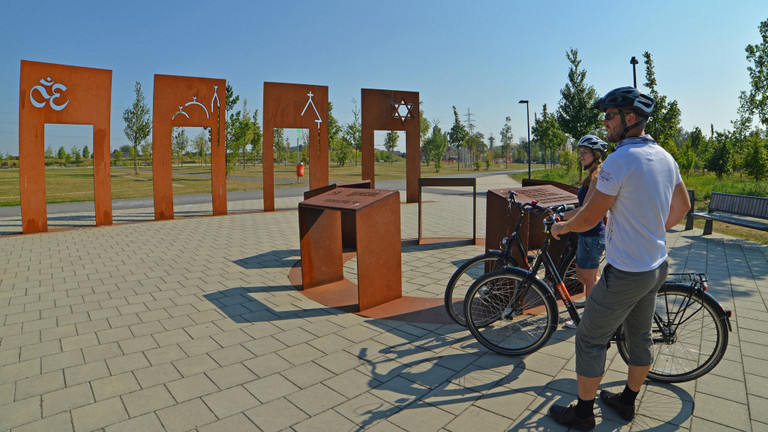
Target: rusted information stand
499, 222
377, 224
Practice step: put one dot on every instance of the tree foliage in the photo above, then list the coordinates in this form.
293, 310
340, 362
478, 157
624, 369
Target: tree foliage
138, 123
201, 146
575, 115
548, 134
62, 153
435, 146
352, 133
720, 161
756, 159
665, 119
86, 153
506, 139
390, 143
180, 142
756, 100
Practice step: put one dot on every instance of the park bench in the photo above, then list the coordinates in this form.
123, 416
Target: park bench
742, 210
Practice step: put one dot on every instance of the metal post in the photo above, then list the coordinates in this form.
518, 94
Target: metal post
633, 62
528, 117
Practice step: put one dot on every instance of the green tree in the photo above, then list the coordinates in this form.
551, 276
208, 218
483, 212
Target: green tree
435, 146
86, 153
352, 133
755, 102
118, 156
75, 155
201, 146
180, 143
239, 135
458, 134
548, 134
257, 141
280, 147
146, 153
756, 159
49, 152
138, 123
720, 161
341, 151
575, 115
665, 119
390, 143
62, 153
506, 139
423, 124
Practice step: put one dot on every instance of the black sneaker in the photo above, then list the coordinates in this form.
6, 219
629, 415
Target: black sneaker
613, 400
567, 416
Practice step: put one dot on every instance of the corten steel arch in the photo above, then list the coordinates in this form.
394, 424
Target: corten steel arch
298, 106
398, 111
53, 93
187, 101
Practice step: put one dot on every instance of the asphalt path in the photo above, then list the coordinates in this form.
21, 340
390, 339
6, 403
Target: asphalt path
283, 192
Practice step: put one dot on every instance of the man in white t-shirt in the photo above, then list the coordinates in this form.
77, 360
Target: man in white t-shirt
640, 184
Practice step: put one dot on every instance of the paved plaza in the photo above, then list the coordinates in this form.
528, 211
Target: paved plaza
193, 324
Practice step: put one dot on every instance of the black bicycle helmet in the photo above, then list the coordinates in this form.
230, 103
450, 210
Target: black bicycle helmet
593, 142
626, 98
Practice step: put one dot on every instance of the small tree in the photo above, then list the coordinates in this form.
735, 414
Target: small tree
118, 156
201, 146
146, 153
138, 123
86, 153
180, 143
62, 153
458, 135
74, 155
49, 152
352, 131
390, 143
506, 139
756, 159
435, 146
258, 138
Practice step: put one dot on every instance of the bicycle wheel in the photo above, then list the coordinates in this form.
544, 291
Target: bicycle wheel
696, 335
567, 271
510, 327
465, 276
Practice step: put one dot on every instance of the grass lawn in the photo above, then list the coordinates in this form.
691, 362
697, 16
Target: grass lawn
702, 184
76, 184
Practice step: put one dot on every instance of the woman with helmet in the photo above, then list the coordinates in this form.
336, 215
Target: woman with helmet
591, 243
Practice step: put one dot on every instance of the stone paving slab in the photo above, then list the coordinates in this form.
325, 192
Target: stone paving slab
192, 324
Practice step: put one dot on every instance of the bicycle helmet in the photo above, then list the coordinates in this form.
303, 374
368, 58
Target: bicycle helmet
593, 142
626, 97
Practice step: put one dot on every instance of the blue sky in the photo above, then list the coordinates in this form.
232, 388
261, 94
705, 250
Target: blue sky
483, 56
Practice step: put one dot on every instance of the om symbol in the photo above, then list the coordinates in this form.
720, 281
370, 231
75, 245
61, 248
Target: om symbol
56, 90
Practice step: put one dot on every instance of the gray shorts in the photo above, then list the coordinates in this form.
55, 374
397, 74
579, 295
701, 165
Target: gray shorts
619, 297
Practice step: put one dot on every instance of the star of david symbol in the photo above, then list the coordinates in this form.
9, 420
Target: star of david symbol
403, 110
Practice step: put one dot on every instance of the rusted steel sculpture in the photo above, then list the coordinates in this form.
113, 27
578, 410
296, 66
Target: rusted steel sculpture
53, 93
298, 106
187, 101
377, 242
392, 110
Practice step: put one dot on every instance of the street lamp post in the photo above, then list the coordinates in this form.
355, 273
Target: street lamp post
633, 62
528, 117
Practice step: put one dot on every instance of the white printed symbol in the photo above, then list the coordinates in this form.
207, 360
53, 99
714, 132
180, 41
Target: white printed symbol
319, 120
50, 98
403, 110
215, 96
192, 102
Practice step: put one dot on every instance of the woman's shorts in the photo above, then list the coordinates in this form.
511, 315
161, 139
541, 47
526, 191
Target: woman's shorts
589, 251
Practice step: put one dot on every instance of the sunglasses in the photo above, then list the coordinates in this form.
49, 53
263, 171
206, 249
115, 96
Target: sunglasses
609, 116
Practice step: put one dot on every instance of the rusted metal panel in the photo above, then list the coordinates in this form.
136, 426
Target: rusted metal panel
379, 268
295, 106
187, 101
54, 93
320, 242
499, 222
377, 221
392, 110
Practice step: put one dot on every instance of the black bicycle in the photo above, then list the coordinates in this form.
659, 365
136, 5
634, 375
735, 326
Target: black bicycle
513, 312
496, 259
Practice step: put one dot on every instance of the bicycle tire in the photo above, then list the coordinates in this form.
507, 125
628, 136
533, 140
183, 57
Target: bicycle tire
463, 278
700, 335
527, 329
567, 272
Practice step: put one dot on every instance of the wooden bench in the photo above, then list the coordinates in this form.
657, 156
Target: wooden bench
742, 210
